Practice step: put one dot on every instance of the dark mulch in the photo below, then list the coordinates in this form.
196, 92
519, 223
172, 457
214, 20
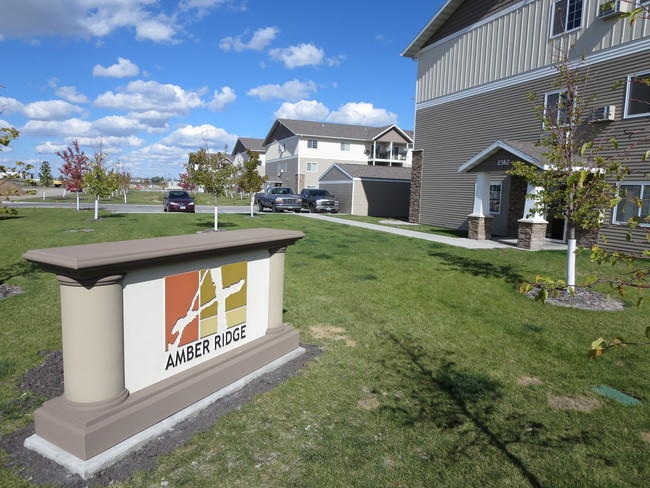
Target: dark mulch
583, 298
7, 291
47, 380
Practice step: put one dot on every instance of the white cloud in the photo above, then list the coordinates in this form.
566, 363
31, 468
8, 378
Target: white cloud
109, 144
154, 120
302, 110
362, 114
49, 147
116, 125
122, 69
50, 110
195, 137
297, 56
63, 128
71, 94
10, 106
85, 18
142, 96
222, 100
259, 41
291, 91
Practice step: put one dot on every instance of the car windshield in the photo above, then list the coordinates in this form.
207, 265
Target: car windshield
281, 191
179, 194
320, 193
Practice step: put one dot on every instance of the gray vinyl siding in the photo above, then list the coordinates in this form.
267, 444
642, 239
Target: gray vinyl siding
452, 133
383, 199
342, 192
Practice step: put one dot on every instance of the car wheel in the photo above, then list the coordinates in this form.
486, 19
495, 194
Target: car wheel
312, 209
335, 211
275, 209
164, 209
260, 207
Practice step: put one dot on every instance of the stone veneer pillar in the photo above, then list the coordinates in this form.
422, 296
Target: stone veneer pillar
479, 227
93, 339
531, 234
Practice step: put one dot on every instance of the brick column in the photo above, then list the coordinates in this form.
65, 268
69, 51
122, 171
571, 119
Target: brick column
531, 235
416, 186
479, 228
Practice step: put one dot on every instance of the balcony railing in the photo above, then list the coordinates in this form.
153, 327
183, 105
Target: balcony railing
387, 155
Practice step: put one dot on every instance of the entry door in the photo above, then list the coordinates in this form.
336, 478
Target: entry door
556, 230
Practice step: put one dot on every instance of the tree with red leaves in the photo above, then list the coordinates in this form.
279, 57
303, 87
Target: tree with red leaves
75, 165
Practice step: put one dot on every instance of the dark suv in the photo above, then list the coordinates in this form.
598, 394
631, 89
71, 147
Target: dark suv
178, 201
316, 200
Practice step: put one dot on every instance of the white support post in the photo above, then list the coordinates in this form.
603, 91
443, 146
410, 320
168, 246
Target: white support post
529, 204
481, 196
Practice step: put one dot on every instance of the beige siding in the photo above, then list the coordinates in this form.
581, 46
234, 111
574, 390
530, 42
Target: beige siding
501, 48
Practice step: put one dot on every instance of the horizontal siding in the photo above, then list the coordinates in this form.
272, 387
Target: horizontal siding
452, 133
515, 43
342, 192
386, 199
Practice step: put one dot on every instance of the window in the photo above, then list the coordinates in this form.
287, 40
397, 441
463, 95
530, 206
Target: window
635, 203
345, 146
556, 108
637, 97
312, 144
495, 198
567, 16
312, 167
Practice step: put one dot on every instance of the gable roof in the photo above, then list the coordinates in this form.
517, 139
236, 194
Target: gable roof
434, 24
528, 152
334, 131
244, 144
372, 172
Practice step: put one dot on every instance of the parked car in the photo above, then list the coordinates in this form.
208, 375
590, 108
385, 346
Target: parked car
278, 198
316, 200
178, 201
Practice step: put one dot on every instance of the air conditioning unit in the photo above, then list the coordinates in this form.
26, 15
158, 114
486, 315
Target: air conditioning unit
603, 114
611, 9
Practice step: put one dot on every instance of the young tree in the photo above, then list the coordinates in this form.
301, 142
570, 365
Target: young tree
576, 182
185, 182
124, 182
99, 180
75, 165
213, 173
250, 180
45, 174
7, 134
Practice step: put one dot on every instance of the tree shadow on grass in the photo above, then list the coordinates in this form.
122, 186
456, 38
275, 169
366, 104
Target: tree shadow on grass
19, 268
438, 392
210, 225
477, 267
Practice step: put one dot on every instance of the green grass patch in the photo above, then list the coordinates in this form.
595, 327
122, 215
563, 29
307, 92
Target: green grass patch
434, 370
391, 222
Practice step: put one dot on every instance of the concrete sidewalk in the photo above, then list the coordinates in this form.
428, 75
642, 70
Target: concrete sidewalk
451, 241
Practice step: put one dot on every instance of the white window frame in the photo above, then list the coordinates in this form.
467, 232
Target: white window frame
565, 21
345, 146
546, 97
644, 194
495, 212
312, 143
626, 115
313, 165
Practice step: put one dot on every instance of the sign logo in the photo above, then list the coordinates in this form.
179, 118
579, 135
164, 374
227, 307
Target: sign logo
205, 310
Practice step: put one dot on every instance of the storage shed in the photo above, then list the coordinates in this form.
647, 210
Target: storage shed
375, 191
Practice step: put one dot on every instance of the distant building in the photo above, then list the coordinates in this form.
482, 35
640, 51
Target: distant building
240, 152
298, 152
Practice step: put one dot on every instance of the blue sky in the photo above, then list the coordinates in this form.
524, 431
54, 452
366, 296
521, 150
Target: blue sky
151, 80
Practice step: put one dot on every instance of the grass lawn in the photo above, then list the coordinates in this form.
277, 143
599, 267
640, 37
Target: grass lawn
427, 229
434, 371
139, 197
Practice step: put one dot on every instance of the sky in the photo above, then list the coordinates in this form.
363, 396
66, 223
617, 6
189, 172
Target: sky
148, 81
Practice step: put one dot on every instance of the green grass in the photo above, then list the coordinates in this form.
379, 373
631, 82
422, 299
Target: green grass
424, 349
139, 197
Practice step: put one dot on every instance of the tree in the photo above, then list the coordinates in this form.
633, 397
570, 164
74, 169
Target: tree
185, 182
8, 134
250, 180
45, 174
213, 173
124, 182
576, 181
75, 165
99, 180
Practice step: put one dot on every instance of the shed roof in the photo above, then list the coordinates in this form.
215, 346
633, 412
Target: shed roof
372, 172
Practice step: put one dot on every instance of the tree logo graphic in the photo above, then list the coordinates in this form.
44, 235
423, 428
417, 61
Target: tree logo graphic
203, 303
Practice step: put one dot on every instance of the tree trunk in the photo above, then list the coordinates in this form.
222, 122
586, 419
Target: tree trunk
252, 203
77, 193
96, 207
571, 259
216, 219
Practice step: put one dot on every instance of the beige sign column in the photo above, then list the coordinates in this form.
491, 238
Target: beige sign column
93, 340
276, 289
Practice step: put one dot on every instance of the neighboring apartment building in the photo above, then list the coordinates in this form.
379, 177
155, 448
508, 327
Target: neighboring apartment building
477, 62
240, 152
298, 152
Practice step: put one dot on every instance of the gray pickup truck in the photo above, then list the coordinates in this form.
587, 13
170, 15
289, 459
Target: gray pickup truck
278, 198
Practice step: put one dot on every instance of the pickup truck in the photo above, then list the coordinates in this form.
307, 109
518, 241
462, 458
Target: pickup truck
316, 200
278, 198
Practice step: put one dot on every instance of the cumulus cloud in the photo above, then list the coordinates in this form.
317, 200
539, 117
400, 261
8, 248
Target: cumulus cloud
302, 110
194, 137
66, 128
291, 91
71, 94
42, 110
142, 96
122, 69
116, 125
259, 41
298, 56
222, 99
86, 18
362, 114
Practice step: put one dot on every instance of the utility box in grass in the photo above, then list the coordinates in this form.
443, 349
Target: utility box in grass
151, 327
